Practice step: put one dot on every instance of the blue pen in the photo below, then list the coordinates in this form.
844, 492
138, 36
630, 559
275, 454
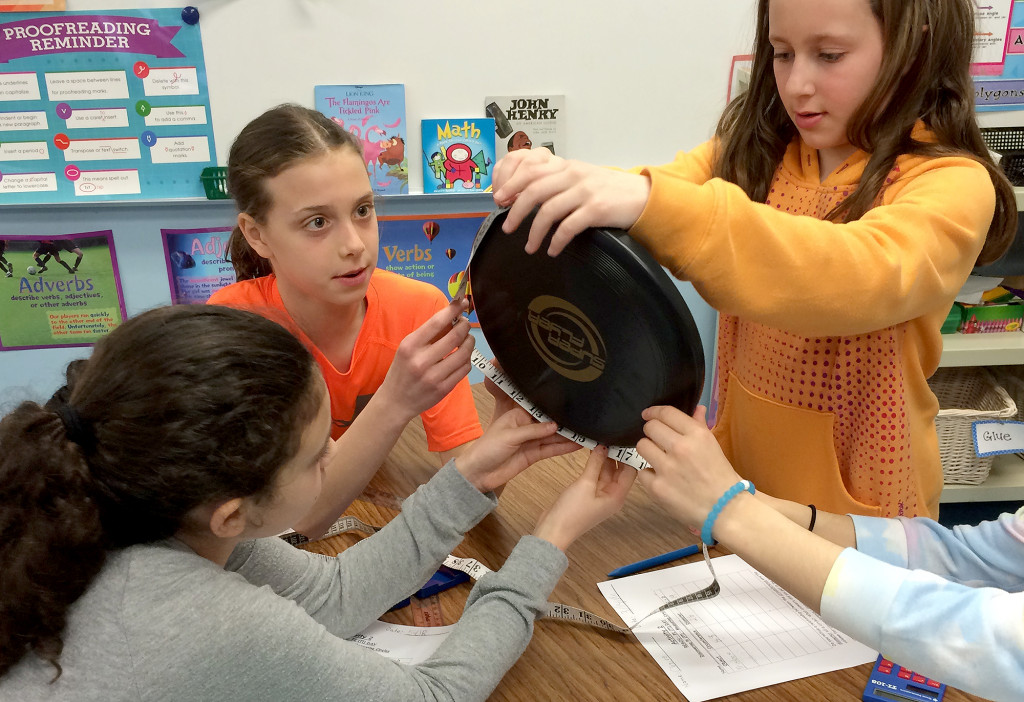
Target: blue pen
653, 562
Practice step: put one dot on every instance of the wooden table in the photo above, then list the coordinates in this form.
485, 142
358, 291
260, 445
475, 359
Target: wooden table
566, 661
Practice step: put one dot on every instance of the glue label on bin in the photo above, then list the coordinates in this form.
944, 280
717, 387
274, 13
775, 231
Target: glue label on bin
992, 437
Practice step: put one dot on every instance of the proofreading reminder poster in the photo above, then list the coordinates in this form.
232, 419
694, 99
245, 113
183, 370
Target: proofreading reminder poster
108, 105
58, 290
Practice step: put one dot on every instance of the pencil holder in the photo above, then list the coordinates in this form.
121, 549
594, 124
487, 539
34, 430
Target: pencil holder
215, 182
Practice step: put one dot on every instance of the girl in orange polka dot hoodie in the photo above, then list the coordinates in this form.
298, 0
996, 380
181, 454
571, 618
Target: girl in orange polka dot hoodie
833, 219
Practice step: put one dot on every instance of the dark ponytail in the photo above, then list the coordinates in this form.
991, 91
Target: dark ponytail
178, 407
269, 144
51, 542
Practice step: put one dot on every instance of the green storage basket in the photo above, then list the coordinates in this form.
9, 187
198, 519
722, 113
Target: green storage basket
215, 182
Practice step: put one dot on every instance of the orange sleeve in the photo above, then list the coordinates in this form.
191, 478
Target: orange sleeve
454, 420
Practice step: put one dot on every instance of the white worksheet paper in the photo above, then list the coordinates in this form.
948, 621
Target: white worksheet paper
405, 644
751, 635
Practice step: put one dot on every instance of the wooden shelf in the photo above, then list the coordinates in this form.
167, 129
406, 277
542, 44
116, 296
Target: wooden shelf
998, 349
1004, 483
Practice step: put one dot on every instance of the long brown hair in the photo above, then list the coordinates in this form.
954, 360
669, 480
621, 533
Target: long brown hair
269, 144
926, 63
178, 407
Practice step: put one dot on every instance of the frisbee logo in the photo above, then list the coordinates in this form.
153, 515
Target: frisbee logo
565, 338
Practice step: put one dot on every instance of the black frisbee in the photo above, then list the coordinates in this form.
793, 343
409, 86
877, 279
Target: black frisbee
592, 336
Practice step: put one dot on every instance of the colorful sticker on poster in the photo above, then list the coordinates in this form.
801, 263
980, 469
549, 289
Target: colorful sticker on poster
195, 263
58, 290
108, 105
1004, 90
432, 248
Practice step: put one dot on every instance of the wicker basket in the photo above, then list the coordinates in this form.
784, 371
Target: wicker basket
966, 395
1012, 378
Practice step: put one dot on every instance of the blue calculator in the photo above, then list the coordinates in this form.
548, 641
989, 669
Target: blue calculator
890, 681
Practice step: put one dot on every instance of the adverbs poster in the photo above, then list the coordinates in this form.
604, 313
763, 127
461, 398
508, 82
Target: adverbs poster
431, 248
195, 263
102, 106
59, 290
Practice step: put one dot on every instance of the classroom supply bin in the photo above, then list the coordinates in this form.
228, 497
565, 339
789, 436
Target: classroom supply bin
215, 182
1012, 379
966, 395
990, 317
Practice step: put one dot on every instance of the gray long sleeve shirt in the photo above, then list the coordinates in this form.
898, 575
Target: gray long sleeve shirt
162, 623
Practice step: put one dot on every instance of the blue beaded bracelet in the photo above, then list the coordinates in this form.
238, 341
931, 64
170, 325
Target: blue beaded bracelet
709, 522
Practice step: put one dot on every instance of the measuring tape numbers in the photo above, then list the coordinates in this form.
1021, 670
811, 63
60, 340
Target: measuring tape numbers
343, 525
622, 454
427, 611
556, 610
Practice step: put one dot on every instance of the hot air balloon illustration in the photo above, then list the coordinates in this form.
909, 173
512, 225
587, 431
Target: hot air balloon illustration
450, 253
454, 282
431, 229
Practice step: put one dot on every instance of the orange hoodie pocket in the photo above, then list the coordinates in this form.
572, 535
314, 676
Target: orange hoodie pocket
786, 451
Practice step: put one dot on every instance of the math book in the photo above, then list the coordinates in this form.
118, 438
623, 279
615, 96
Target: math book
376, 115
527, 122
458, 155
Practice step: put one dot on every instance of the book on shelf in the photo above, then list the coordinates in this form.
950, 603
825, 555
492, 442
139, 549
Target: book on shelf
458, 155
527, 121
375, 114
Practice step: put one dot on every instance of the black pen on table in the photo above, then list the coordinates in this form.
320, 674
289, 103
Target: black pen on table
654, 562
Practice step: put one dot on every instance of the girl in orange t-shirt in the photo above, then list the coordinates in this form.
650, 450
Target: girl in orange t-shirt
305, 253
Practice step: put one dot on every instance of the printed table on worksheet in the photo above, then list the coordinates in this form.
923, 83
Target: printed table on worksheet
751, 635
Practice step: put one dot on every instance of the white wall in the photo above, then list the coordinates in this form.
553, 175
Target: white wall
641, 79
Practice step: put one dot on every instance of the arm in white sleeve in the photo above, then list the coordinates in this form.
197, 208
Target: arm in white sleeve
967, 636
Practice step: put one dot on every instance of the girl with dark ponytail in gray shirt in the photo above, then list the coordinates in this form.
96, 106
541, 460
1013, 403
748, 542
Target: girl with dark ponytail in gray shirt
138, 510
